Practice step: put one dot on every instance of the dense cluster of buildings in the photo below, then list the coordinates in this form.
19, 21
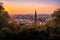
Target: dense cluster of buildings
24, 19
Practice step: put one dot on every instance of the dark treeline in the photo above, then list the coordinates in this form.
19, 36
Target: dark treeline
29, 34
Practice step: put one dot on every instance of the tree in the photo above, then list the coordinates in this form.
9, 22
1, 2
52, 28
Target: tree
54, 24
4, 17
6, 33
56, 13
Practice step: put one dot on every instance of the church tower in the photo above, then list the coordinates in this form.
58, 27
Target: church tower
35, 18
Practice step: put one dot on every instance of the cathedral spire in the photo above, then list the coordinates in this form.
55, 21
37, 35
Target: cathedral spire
35, 17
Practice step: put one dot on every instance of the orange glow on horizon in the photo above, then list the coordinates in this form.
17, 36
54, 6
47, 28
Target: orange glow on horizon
29, 8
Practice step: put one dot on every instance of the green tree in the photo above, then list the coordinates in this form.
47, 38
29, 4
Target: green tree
56, 13
4, 17
54, 24
5, 33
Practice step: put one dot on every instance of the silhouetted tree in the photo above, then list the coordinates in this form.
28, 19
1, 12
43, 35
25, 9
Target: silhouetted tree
53, 26
4, 17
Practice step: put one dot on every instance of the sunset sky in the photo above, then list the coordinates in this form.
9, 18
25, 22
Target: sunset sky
28, 6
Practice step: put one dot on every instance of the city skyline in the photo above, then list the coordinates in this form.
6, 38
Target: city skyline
28, 6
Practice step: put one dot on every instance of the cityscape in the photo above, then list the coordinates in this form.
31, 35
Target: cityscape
29, 20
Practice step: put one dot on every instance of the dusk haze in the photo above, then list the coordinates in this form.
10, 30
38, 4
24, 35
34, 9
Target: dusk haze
28, 6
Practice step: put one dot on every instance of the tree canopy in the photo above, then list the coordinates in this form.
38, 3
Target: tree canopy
54, 24
4, 17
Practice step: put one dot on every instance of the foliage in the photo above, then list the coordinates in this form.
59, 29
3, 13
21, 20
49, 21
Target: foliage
4, 17
5, 33
28, 34
53, 26
56, 13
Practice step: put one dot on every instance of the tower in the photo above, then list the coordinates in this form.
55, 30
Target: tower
35, 18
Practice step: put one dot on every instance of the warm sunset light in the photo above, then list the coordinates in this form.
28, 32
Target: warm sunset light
29, 19
28, 6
